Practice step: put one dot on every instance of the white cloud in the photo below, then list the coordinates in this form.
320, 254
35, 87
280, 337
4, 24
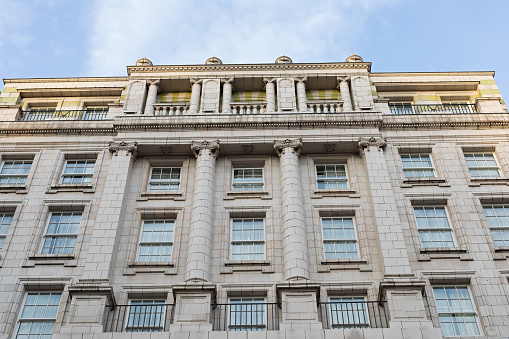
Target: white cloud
188, 32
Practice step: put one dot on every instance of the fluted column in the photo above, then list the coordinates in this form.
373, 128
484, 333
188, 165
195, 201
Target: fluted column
195, 95
345, 94
199, 247
295, 251
151, 96
270, 94
227, 94
301, 94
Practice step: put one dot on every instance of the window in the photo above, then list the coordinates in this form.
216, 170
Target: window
5, 223
339, 238
482, 165
456, 310
156, 241
38, 316
331, 177
498, 221
433, 226
417, 166
247, 314
14, 172
61, 234
164, 179
146, 316
78, 172
349, 312
247, 240
247, 179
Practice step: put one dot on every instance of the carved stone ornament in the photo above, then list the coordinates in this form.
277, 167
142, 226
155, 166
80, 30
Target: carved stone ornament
329, 148
301, 79
364, 143
156, 82
197, 147
247, 148
166, 149
131, 147
195, 81
281, 145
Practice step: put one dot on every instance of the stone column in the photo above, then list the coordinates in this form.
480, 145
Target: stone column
200, 236
345, 94
105, 238
301, 94
195, 95
227, 94
151, 96
270, 94
295, 251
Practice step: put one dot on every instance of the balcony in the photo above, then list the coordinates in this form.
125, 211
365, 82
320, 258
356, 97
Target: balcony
245, 316
52, 114
325, 106
139, 317
248, 107
353, 314
171, 108
406, 108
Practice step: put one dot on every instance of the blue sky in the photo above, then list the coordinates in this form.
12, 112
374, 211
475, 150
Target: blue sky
58, 38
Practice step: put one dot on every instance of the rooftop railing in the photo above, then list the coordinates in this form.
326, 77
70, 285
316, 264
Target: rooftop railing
245, 317
406, 108
353, 314
52, 114
139, 317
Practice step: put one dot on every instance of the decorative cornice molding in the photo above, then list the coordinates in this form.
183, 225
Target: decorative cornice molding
365, 143
253, 67
198, 146
130, 148
295, 145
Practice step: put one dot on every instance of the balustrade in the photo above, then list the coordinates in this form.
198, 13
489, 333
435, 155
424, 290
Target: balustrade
248, 108
179, 108
325, 106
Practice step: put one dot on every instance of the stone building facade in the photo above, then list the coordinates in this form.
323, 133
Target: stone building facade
284, 200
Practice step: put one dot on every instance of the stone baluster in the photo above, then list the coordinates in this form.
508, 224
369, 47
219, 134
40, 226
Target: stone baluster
301, 94
227, 94
344, 88
199, 247
270, 94
295, 251
153, 87
195, 95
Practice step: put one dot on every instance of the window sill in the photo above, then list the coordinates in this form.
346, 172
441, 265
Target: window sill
51, 259
410, 182
318, 194
166, 267
426, 254
501, 253
232, 195
361, 264
168, 195
18, 189
231, 266
70, 188
475, 182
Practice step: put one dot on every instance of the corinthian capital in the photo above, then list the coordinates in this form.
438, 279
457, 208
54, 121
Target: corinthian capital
154, 82
301, 79
226, 80
364, 144
130, 147
268, 79
295, 145
195, 81
198, 146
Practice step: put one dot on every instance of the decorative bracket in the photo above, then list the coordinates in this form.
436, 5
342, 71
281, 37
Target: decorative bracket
213, 146
364, 144
131, 147
281, 145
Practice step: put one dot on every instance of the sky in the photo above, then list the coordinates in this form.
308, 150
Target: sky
72, 38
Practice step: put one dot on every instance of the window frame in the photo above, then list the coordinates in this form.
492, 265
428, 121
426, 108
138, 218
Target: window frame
347, 180
500, 228
437, 229
169, 181
340, 240
127, 318
475, 312
137, 257
3, 236
244, 326
479, 168
64, 175
254, 242
243, 189
19, 175
57, 235
411, 169
23, 304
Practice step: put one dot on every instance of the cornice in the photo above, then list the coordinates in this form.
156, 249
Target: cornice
250, 67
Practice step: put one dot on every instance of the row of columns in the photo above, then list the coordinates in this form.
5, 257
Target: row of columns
270, 94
